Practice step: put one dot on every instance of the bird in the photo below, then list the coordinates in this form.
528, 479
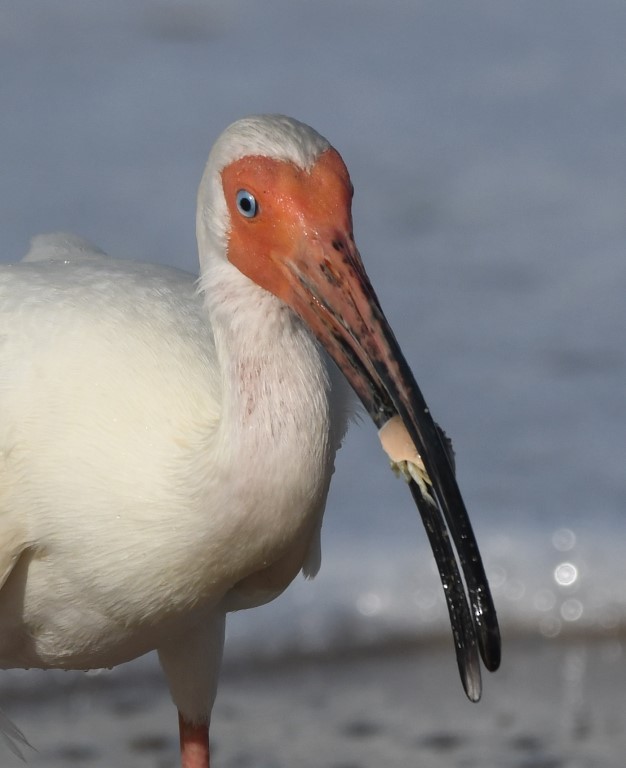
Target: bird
167, 441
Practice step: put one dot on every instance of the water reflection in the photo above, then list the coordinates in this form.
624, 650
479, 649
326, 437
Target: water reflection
571, 609
542, 592
563, 539
565, 574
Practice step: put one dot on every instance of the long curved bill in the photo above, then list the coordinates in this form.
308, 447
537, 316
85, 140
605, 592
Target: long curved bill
332, 293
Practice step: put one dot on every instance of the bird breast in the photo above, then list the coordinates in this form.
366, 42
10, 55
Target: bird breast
277, 440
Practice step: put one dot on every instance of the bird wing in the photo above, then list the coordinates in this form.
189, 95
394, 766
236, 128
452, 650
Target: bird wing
62, 246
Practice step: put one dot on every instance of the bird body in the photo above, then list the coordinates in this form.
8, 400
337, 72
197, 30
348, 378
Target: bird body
167, 444
149, 460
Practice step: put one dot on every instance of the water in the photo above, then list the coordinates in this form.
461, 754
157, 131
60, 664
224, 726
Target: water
486, 142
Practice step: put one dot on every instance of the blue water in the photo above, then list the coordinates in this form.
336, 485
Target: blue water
487, 145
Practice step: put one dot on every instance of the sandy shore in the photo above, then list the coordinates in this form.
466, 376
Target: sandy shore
550, 706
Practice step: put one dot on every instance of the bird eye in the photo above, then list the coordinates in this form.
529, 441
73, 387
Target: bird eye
246, 204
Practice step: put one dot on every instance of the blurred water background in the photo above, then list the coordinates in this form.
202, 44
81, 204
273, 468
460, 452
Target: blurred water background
487, 145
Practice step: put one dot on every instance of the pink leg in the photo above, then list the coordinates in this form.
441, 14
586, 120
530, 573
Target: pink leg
194, 744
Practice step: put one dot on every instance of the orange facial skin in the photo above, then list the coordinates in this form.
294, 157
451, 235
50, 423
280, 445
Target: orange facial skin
296, 208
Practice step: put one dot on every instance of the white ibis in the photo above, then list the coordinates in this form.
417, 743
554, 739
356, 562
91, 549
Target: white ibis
167, 444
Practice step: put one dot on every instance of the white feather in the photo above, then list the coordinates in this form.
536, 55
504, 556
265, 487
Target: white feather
148, 426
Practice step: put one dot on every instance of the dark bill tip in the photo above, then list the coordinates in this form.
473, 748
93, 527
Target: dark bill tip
463, 632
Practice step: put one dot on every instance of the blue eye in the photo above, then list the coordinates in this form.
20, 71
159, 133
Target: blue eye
246, 204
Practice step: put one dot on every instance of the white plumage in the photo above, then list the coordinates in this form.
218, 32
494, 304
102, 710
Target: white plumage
166, 445
128, 459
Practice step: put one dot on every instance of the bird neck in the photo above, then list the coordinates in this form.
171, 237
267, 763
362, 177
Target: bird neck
275, 383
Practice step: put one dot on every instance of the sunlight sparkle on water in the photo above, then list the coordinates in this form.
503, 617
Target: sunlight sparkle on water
369, 604
564, 539
565, 574
571, 609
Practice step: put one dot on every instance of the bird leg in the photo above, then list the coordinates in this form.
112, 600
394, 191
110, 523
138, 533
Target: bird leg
194, 744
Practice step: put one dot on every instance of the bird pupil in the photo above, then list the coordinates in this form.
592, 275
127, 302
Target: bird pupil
245, 204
